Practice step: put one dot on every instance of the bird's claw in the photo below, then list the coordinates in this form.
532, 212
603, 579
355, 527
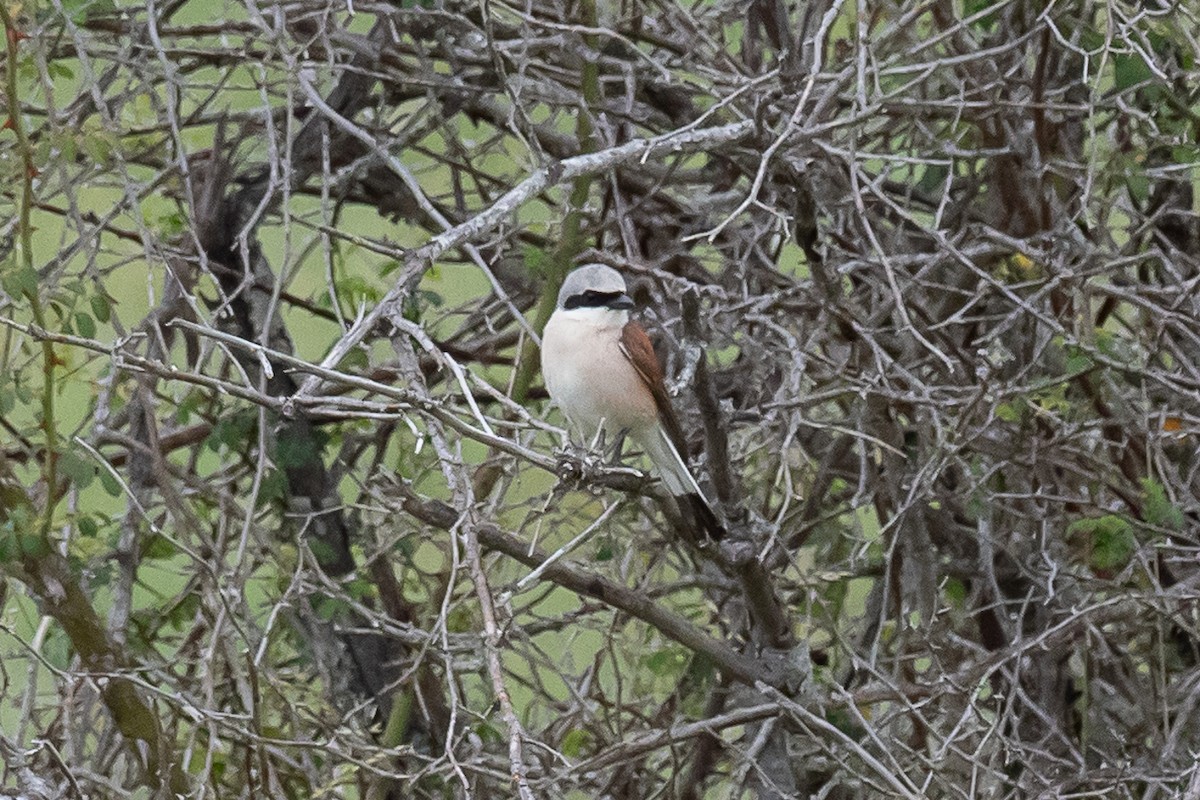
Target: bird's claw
576, 466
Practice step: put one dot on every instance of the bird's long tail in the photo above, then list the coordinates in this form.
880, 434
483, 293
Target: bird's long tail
679, 481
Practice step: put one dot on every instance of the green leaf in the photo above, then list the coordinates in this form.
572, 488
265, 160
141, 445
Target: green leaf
575, 742
181, 615
933, 179
431, 298
360, 588
158, 547
330, 608
973, 7
405, 546
56, 649
1138, 186
355, 361
110, 483
80, 10
353, 288
488, 733
1130, 70
411, 308
20, 281
81, 471
189, 405
668, 662
85, 325
460, 620
171, 225
1078, 362
233, 431
1109, 540
100, 307
322, 551
1160, 510
1186, 154
605, 550
273, 487
1113, 545
1009, 412
8, 398
534, 258
33, 545
956, 592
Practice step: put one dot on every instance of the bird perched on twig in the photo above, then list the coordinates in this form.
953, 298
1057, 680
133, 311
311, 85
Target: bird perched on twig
600, 368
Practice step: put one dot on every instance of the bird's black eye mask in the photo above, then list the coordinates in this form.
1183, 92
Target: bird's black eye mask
594, 299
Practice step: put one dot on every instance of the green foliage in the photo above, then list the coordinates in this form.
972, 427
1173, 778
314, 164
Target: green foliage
188, 405
418, 302
85, 325
101, 307
329, 609
19, 539
987, 22
666, 662
1131, 70
80, 11
534, 258
110, 483
88, 527
323, 552
56, 649
1160, 511
80, 469
1109, 541
8, 397
233, 430
1010, 412
273, 488
460, 620
955, 592
576, 743
181, 614
605, 549
19, 280
158, 547
488, 733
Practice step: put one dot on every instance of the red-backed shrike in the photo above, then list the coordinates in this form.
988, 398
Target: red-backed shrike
601, 370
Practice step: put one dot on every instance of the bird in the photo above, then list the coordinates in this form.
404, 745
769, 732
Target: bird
601, 370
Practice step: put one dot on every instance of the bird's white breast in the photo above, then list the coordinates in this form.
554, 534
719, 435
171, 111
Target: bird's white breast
588, 375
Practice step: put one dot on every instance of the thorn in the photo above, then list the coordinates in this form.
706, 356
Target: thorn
8, 125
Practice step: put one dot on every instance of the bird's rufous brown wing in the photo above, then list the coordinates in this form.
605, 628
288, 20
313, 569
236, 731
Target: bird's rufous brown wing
636, 346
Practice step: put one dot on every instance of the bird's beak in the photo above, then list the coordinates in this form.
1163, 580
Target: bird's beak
621, 303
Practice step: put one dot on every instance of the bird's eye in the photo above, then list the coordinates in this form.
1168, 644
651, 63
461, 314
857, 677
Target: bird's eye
591, 299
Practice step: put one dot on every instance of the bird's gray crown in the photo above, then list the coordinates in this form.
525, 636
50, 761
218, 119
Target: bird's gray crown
599, 279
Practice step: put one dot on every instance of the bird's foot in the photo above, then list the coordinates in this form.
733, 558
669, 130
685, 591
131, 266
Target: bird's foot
577, 466
614, 453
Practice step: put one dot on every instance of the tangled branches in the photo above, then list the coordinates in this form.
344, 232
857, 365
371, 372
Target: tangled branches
285, 509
